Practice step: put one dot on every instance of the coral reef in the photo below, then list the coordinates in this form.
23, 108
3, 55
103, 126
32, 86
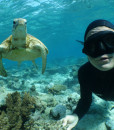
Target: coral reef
21, 111
48, 91
16, 84
16, 111
4, 122
41, 125
58, 112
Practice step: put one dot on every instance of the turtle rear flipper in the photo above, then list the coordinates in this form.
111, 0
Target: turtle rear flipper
2, 70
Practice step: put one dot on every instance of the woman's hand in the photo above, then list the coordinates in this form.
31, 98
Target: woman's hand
70, 121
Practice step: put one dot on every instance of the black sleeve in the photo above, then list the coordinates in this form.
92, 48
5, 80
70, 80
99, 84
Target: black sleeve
85, 94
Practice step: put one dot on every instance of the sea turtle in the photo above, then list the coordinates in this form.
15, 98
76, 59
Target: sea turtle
21, 46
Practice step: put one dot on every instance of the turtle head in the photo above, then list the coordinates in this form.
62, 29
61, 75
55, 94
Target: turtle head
19, 32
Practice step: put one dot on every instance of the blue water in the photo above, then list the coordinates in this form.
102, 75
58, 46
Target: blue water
57, 23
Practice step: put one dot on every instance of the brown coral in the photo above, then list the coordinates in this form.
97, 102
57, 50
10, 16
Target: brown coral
17, 110
4, 122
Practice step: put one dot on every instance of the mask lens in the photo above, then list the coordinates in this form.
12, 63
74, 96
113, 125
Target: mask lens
109, 40
90, 49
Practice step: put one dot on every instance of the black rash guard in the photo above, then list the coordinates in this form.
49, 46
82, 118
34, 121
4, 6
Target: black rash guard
95, 81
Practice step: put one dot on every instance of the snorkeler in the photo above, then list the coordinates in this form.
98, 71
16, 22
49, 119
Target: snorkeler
97, 75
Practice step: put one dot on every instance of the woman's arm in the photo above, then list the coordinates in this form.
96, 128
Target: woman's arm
85, 93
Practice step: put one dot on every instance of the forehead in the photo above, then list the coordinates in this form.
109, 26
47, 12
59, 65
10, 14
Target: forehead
20, 19
98, 30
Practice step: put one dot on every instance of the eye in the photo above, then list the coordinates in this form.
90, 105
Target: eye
15, 39
14, 22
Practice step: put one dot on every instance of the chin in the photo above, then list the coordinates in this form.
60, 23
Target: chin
103, 64
105, 67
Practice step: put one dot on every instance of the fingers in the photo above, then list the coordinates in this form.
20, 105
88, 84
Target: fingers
71, 126
70, 122
64, 122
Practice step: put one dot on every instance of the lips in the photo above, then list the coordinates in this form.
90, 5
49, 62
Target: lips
103, 58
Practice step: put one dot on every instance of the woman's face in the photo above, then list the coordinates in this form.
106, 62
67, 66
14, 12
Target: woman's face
104, 62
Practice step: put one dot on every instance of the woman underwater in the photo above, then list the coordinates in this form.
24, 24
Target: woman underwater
97, 75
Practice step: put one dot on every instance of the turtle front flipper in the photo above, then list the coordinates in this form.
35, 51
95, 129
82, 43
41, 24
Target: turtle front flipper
2, 70
44, 59
43, 54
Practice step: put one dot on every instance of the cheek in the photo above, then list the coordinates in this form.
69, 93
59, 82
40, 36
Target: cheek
112, 61
94, 63
92, 60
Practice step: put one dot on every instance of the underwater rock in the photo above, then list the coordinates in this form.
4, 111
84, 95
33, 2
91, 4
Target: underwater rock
2, 82
71, 82
58, 112
16, 84
76, 88
33, 90
91, 122
99, 116
74, 71
110, 120
49, 99
110, 124
40, 105
56, 89
60, 70
72, 101
16, 79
